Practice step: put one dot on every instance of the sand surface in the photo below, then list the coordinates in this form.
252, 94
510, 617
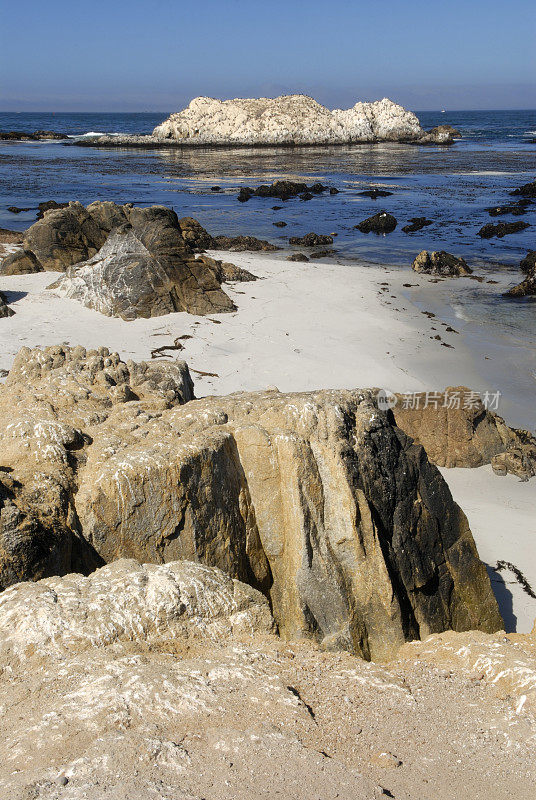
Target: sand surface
309, 326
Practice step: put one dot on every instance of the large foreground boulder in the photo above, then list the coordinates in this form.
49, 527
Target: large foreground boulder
167, 682
457, 430
292, 119
316, 499
440, 263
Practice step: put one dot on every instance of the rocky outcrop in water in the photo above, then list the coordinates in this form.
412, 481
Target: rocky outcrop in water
417, 224
527, 287
527, 190
37, 136
440, 263
283, 190
501, 229
292, 119
315, 499
457, 430
311, 240
382, 222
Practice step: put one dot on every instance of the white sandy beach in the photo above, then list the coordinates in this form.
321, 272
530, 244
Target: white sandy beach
308, 326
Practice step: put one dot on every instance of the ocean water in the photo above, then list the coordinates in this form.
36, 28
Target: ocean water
453, 186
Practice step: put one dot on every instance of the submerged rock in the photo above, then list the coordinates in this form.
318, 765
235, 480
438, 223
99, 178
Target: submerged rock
517, 209
375, 193
527, 190
48, 205
441, 134
37, 136
417, 224
438, 262
382, 222
316, 499
501, 229
291, 119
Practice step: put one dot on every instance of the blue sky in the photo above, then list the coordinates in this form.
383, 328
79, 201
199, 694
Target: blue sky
158, 54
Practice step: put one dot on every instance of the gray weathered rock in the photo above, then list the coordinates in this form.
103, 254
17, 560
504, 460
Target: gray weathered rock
124, 280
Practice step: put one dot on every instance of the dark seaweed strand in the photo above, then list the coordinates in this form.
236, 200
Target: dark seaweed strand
523, 582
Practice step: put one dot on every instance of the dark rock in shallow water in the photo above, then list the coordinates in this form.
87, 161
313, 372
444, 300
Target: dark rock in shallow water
311, 240
527, 190
283, 190
441, 134
527, 287
297, 257
375, 193
417, 223
16, 209
245, 194
306, 196
501, 229
239, 244
517, 209
280, 224
440, 263
333, 190
528, 263
379, 223
216, 189
322, 254
37, 136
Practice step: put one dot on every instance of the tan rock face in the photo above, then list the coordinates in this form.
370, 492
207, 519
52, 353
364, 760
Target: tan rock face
455, 434
316, 499
50, 398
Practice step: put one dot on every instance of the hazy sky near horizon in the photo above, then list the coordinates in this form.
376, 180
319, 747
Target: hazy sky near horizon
155, 55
